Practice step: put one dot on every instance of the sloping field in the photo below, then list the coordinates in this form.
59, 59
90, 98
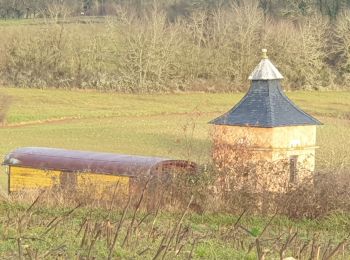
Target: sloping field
164, 125
172, 125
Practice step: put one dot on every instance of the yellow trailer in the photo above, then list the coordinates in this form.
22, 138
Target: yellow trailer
49, 168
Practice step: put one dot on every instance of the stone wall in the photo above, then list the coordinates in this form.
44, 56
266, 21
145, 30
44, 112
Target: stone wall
261, 157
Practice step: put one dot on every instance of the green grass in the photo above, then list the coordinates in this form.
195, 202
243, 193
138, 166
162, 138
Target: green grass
35, 104
168, 125
40, 21
10, 22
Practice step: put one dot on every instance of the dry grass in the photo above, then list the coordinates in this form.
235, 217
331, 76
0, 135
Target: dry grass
128, 229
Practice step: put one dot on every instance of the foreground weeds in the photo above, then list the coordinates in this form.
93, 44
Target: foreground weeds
51, 228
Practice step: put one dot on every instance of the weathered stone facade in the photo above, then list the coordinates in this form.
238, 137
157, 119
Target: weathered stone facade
269, 152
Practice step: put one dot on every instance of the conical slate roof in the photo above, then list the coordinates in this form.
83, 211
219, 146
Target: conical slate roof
265, 104
265, 71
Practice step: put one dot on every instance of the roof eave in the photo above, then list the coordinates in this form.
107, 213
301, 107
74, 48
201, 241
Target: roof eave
265, 126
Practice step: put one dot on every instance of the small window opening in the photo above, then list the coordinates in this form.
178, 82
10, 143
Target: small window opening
293, 168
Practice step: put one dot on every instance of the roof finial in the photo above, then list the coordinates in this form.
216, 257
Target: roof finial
265, 69
264, 53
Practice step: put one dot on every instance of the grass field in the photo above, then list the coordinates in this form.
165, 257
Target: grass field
171, 125
38, 21
168, 125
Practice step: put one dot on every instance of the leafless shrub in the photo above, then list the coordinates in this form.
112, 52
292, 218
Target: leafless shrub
209, 50
327, 195
300, 52
148, 52
57, 10
338, 48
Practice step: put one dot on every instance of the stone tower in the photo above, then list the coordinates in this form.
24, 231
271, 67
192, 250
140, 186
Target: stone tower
269, 126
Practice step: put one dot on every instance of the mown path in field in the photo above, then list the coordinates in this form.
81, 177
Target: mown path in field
31, 105
77, 119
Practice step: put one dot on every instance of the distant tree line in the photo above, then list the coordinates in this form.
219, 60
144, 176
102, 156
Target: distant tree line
19, 9
192, 45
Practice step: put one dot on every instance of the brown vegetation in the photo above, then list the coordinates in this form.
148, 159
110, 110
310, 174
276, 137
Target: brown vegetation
241, 181
128, 224
210, 50
214, 190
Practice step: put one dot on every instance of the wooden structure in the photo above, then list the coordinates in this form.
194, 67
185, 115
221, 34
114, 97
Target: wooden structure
270, 128
38, 168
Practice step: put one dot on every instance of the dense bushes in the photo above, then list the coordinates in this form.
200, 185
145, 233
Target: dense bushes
322, 195
208, 51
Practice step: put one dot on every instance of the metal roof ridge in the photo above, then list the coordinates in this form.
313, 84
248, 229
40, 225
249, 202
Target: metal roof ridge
79, 163
265, 70
84, 152
270, 111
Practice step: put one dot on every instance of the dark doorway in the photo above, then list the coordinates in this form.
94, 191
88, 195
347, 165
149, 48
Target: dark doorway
293, 169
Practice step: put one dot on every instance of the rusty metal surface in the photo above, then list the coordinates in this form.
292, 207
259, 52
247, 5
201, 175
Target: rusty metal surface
84, 161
